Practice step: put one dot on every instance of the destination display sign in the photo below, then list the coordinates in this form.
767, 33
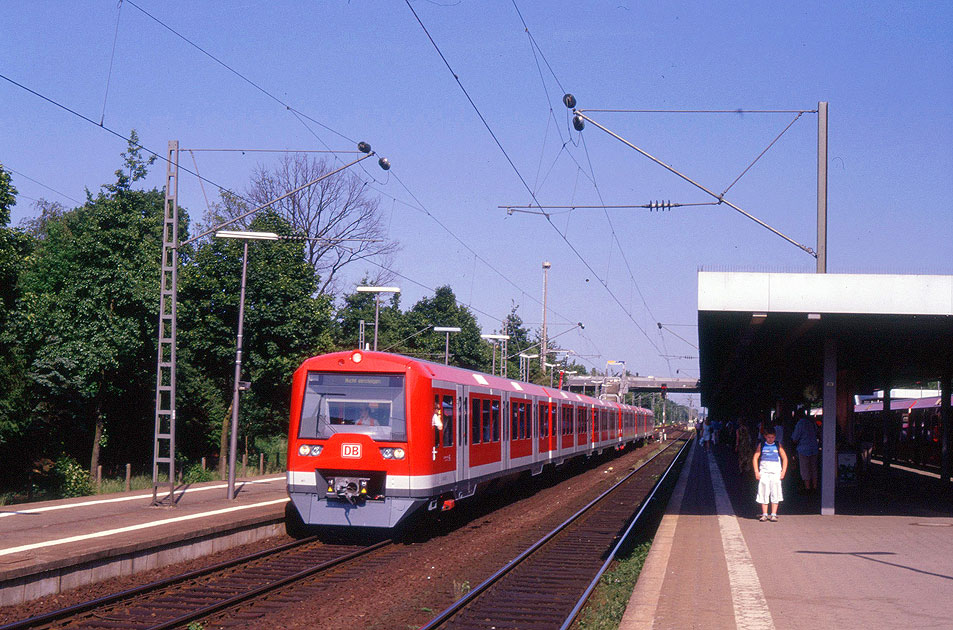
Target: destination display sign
355, 380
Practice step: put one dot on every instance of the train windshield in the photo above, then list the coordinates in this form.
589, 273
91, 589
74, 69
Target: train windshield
372, 404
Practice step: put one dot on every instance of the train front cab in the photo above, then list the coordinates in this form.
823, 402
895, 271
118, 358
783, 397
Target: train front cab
354, 456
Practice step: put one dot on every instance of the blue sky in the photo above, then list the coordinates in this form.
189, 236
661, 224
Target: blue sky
368, 71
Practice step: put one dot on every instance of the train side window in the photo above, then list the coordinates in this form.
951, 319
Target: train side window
495, 410
447, 420
475, 420
514, 420
487, 422
523, 412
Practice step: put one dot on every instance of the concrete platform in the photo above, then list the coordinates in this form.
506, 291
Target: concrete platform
884, 560
49, 547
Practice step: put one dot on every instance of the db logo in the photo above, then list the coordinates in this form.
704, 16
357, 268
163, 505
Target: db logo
352, 451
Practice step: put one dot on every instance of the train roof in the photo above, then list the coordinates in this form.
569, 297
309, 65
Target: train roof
381, 361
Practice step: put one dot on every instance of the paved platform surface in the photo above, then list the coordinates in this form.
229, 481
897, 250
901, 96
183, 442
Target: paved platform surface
41, 537
884, 560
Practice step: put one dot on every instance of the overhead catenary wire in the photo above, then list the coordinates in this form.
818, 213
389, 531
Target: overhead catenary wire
655, 205
112, 57
519, 175
39, 183
271, 151
697, 185
698, 111
136, 145
760, 155
591, 176
224, 189
231, 69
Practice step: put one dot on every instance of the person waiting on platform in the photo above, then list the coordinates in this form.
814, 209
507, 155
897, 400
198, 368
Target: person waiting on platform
770, 462
706, 434
805, 437
743, 447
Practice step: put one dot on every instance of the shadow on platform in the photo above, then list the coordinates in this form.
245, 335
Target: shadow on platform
883, 492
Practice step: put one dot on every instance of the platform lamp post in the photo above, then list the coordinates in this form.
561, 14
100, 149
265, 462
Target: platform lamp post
233, 438
552, 371
446, 348
524, 364
377, 304
494, 339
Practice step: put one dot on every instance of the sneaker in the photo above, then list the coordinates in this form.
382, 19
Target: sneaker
773, 518
764, 517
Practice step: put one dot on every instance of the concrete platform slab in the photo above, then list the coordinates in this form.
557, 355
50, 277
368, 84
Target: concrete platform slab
884, 561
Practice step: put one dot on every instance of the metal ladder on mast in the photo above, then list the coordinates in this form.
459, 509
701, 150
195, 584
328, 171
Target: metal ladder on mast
163, 454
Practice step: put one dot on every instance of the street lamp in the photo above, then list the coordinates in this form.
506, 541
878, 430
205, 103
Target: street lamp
233, 439
377, 303
493, 339
446, 348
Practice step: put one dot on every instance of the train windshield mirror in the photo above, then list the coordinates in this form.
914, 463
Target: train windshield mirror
371, 404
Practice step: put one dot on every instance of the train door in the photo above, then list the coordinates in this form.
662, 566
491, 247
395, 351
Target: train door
444, 427
505, 451
568, 429
463, 468
545, 410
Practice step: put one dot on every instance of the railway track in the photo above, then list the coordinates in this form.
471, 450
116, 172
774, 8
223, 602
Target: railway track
180, 600
547, 585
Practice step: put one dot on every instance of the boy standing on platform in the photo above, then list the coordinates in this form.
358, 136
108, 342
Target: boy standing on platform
770, 462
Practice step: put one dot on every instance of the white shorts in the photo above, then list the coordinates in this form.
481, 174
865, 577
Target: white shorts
769, 488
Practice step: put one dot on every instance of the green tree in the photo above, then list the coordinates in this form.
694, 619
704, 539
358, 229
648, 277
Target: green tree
467, 349
86, 318
15, 247
360, 306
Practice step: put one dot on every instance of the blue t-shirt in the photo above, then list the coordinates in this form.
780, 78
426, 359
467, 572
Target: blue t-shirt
770, 460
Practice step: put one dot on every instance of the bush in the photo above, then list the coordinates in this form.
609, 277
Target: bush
194, 474
73, 479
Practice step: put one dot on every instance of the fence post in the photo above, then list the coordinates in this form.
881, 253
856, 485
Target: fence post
244, 464
261, 464
203, 464
99, 477
128, 477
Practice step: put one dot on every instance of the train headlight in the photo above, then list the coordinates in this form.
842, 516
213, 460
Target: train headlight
307, 449
357, 357
399, 453
387, 453
316, 450
304, 449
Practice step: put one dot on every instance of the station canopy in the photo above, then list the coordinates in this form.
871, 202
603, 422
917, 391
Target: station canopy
761, 335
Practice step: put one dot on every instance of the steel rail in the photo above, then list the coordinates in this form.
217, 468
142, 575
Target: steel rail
464, 601
76, 609
243, 597
612, 554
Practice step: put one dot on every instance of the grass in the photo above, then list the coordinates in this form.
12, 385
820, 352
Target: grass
607, 603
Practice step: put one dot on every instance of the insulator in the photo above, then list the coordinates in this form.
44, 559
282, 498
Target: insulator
569, 100
578, 122
384, 163
363, 147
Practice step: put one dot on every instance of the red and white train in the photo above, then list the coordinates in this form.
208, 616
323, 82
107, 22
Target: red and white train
375, 437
